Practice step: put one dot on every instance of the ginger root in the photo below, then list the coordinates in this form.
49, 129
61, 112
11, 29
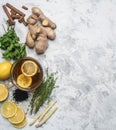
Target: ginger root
35, 30
38, 35
42, 18
47, 22
31, 21
50, 33
29, 40
36, 11
41, 44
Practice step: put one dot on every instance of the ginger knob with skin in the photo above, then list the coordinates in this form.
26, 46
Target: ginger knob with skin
32, 19
47, 22
33, 16
41, 44
42, 18
34, 30
29, 40
36, 11
48, 32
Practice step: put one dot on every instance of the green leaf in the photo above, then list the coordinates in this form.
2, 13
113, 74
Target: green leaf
9, 42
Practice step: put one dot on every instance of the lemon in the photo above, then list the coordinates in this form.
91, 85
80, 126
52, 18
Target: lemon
8, 109
24, 81
5, 68
18, 117
29, 68
3, 92
22, 124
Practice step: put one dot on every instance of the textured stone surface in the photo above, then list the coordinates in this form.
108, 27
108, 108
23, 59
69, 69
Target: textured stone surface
84, 54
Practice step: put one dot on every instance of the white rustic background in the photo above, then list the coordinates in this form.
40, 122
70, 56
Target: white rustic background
84, 54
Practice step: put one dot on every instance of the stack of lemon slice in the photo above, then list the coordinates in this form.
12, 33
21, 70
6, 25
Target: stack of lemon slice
29, 69
14, 114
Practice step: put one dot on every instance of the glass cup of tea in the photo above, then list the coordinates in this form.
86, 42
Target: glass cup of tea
27, 74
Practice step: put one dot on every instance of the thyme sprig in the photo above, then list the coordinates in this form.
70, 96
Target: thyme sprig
43, 92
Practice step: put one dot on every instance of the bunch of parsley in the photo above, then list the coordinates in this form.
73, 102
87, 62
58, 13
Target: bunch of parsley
9, 42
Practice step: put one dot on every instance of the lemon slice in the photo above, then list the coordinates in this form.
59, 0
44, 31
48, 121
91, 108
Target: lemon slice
3, 92
22, 124
18, 117
8, 109
24, 81
29, 68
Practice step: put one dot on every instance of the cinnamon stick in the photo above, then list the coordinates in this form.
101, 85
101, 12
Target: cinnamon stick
13, 12
25, 23
15, 9
15, 16
24, 7
22, 20
10, 21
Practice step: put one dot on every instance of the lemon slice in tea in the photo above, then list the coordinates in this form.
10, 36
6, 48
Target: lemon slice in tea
22, 124
29, 68
18, 117
24, 81
3, 92
8, 109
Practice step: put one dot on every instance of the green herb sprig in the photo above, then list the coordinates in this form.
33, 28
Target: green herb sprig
9, 42
43, 92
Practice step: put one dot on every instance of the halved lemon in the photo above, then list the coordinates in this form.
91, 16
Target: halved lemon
29, 68
24, 81
22, 124
3, 92
8, 109
18, 117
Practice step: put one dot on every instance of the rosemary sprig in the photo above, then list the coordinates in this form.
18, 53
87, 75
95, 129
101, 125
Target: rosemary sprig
43, 92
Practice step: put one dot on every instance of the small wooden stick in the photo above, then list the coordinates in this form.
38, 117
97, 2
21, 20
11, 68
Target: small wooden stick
46, 117
15, 9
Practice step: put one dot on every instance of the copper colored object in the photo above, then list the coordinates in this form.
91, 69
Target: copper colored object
21, 19
24, 7
15, 9
15, 16
25, 23
13, 12
10, 21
